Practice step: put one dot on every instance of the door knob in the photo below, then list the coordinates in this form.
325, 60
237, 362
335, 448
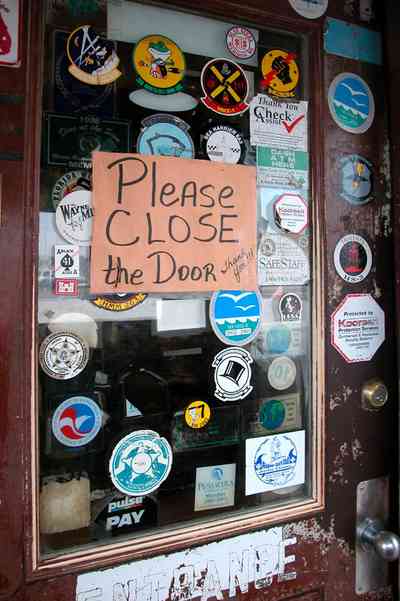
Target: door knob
371, 535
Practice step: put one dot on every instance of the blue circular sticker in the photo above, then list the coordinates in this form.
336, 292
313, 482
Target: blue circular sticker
77, 421
235, 316
140, 462
278, 339
272, 414
165, 135
275, 460
351, 103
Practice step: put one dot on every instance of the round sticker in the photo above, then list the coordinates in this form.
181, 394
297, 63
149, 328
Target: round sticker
197, 414
119, 302
63, 355
240, 42
165, 135
280, 73
309, 10
74, 217
236, 316
93, 59
357, 179
290, 307
290, 213
159, 64
77, 421
232, 374
278, 339
70, 182
352, 258
282, 373
272, 414
225, 87
275, 460
224, 144
351, 103
140, 462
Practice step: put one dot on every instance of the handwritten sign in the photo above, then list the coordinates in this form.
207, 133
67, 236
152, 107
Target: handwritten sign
164, 224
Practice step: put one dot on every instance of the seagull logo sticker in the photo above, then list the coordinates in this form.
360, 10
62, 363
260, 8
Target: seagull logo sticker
351, 103
235, 316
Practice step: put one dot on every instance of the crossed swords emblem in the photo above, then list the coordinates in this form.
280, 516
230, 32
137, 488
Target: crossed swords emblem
225, 84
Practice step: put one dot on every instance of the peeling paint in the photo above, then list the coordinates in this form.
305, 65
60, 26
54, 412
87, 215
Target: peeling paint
377, 292
312, 531
356, 449
384, 169
340, 398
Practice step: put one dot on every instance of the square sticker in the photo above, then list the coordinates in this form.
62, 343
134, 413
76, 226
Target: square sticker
66, 261
65, 287
215, 486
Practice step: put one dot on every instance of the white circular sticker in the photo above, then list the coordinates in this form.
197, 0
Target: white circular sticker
63, 355
309, 9
74, 217
290, 213
241, 42
224, 144
282, 373
352, 258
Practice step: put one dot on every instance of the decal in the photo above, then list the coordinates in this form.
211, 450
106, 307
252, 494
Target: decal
197, 414
282, 167
159, 64
272, 414
357, 328
119, 302
140, 462
278, 124
222, 430
225, 144
280, 413
352, 258
236, 316
281, 262
278, 339
70, 182
66, 287
291, 213
240, 42
282, 373
165, 135
290, 307
63, 355
215, 486
93, 59
127, 514
357, 179
232, 374
351, 103
225, 87
310, 9
10, 24
280, 73
275, 461
77, 421
66, 262
131, 410
74, 217
351, 41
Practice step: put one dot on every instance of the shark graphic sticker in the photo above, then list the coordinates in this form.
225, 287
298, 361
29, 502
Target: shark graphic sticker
351, 103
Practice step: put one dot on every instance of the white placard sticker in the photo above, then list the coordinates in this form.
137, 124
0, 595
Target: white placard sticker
66, 262
281, 262
278, 124
290, 212
215, 486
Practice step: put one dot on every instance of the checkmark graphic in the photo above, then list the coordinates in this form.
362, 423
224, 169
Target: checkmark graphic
290, 126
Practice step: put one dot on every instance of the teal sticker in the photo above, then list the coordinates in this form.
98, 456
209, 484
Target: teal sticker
235, 316
272, 414
165, 135
351, 41
278, 339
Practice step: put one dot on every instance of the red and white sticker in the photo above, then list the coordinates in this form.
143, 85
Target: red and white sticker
10, 16
291, 213
65, 287
241, 42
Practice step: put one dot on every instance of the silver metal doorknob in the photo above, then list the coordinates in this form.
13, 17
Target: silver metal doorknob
371, 534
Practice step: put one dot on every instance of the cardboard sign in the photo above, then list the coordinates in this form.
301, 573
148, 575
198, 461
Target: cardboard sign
165, 224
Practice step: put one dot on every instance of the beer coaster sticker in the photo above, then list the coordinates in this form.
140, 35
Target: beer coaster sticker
291, 213
159, 64
309, 10
351, 103
224, 144
232, 374
240, 42
93, 59
74, 217
119, 302
140, 462
197, 414
77, 421
353, 258
235, 316
272, 414
70, 182
280, 73
66, 262
290, 307
282, 373
63, 355
225, 87
357, 179
165, 135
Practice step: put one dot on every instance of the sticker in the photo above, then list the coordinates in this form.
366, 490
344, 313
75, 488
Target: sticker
10, 24
128, 514
280, 73
272, 414
282, 167
93, 59
240, 42
131, 410
357, 179
221, 430
140, 462
197, 414
66, 262
264, 416
291, 213
119, 302
351, 103
275, 461
225, 87
278, 339
70, 182
159, 64
278, 124
165, 135
74, 217
77, 421
236, 316
352, 258
290, 307
310, 9
351, 41
281, 262
63, 355
224, 144
215, 486
66, 287
357, 328
232, 374
282, 373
